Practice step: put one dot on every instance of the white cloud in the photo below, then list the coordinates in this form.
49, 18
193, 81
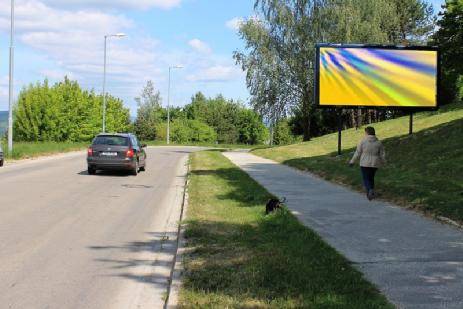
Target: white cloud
218, 73
74, 39
200, 46
235, 23
115, 4
35, 16
70, 42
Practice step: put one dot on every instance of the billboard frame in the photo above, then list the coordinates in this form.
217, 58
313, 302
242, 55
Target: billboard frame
410, 109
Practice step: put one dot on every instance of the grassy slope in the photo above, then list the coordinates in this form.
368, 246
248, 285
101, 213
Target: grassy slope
22, 150
425, 171
244, 259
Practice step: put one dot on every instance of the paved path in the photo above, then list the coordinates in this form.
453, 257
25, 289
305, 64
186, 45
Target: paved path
70, 240
416, 262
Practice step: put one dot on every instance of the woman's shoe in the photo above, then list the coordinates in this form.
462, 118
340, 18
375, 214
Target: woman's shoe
371, 195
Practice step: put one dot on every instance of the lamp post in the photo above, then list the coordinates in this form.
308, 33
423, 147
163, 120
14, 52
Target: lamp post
168, 102
11, 81
106, 37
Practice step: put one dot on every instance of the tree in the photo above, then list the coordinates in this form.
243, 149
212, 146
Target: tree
65, 112
252, 130
149, 113
449, 37
231, 120
280, 47
188, 131
416, 21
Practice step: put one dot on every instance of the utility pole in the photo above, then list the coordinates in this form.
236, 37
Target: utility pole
11, 83
118, 35
104, 84
168, 102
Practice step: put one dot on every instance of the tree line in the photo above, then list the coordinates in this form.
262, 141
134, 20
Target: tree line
203, 120
280, 50
65, 112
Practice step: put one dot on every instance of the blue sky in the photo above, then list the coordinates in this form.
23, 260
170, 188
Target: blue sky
65, 37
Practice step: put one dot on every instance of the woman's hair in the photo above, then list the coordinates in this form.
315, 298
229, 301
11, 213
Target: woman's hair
370, 131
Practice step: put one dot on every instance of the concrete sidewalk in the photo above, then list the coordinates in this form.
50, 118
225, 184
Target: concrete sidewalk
415, 261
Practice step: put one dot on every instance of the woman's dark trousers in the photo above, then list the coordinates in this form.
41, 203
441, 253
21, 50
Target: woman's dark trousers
368, 174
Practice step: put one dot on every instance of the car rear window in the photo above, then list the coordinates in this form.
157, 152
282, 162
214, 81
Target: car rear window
111, 140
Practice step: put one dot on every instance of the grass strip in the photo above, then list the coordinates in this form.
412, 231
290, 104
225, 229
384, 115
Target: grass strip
24, 150
241, 258
424, 171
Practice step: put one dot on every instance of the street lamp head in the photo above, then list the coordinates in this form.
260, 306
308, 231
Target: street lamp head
117, 35
177, 67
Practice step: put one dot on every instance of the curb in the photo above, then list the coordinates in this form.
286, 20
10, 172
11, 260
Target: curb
177, 266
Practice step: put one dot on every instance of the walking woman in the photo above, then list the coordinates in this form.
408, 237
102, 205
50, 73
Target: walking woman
372, 156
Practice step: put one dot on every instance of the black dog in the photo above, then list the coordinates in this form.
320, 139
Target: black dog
273, 204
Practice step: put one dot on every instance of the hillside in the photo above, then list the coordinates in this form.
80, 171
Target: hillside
424, 171
3, 122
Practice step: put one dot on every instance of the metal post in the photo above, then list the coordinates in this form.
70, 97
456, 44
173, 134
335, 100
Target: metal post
11, 83
339, 133
410, 129
104, 85
168, 110
117, 35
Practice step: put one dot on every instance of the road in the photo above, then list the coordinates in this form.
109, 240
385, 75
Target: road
70, 240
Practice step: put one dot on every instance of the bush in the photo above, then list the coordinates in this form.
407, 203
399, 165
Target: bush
232, 121
187, 131
282, 133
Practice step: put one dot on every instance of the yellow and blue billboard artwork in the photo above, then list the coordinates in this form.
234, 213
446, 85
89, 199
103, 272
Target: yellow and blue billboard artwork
377, 77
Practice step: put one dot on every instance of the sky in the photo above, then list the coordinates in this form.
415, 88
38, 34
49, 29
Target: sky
55, 38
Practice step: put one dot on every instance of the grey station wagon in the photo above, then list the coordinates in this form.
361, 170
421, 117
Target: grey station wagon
116, 152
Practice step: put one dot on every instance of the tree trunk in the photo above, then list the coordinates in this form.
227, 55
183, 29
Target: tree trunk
306, 111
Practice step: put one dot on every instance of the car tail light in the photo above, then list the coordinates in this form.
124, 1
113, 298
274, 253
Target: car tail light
129, 153
90, 152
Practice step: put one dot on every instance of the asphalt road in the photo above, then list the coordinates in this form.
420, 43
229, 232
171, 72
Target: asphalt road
70, 240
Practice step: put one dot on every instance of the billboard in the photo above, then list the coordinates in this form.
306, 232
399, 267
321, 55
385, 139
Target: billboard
372, 76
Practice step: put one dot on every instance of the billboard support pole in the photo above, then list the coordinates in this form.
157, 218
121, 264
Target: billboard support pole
410, 130
339, 132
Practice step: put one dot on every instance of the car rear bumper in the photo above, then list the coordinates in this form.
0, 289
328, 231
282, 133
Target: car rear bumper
103, 163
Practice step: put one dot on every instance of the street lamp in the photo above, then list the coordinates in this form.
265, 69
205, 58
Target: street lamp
168, 102
11, 76
106, 37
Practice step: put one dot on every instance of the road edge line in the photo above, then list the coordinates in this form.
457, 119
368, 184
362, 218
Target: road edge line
177, 265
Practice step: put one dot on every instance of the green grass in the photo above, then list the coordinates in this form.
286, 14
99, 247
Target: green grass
209, 145
241, 258
424, 171
23, 150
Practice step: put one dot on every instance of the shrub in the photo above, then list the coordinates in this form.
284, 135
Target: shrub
282, 133
187, 131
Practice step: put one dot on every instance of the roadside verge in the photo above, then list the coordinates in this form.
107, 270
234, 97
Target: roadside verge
238, 257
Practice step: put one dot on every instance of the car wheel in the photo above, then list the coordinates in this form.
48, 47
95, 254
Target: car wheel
91, 170
135, 170
1, 163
